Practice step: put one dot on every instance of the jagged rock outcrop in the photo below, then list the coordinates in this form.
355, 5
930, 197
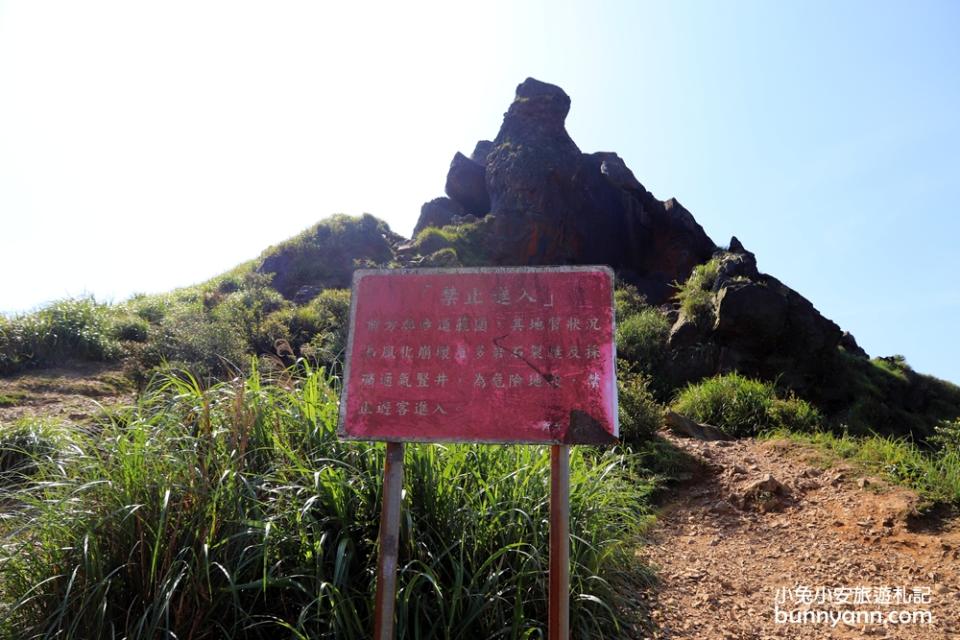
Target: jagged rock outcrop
543, 201
540, 200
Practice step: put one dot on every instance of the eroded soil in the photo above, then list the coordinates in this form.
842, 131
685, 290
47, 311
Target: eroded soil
74, 392
763, 515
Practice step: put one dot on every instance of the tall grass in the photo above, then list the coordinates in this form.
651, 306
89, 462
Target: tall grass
235, 512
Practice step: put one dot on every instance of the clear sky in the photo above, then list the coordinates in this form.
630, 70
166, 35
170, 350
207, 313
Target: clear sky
145, 146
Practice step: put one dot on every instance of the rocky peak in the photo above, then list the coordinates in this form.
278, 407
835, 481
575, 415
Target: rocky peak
542, 201
539, 104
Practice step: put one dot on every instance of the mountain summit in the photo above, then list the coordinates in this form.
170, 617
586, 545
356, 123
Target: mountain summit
540, 200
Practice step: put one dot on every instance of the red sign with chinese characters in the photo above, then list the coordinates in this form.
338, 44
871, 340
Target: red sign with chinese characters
481, 355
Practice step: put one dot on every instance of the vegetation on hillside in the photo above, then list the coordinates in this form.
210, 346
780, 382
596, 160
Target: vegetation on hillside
325, 255
886, 395
81, 329
212, 328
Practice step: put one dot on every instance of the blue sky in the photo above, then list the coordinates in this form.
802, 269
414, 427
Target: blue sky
145, 147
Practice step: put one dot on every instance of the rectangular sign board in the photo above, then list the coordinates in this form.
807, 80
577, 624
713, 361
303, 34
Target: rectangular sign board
481, 355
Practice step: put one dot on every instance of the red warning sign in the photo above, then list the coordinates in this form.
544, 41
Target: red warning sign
481, 355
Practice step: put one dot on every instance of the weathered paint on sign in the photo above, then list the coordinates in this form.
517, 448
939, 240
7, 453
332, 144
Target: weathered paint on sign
481, 355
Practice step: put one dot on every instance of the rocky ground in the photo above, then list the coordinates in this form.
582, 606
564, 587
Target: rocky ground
763, 515
73, 392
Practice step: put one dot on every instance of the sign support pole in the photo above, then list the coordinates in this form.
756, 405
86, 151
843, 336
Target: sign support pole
558, 627
389, 543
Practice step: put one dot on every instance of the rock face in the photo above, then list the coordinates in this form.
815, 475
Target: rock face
543, 201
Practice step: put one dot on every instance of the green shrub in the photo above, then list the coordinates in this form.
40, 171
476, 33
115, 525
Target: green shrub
196, 341
317, 330
741, 406
11, 398
947, 436
627, 300
237, 512
640, 414
131, 329
470, 243
642, 338
696, 294
434, 239
794, 413
149, 308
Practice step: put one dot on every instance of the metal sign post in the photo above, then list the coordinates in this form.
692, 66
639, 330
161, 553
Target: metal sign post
493, 355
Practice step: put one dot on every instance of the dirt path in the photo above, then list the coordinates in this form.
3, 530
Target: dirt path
759, 516
73, 392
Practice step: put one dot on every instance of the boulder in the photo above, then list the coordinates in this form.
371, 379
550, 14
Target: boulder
438, 212
765, 494
481, 151
466, 184
684, 426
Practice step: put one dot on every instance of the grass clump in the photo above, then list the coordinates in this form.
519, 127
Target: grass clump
469, 243
234, 511
11, 398
642, 338
643, 334
741, 406
696, 294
